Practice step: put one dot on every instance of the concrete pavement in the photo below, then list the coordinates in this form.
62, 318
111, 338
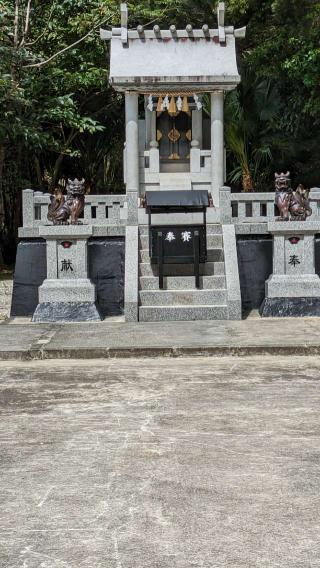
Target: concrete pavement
114, 338
160, 463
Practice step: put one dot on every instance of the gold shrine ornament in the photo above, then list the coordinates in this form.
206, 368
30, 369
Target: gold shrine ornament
185, 105
160, 104
172, 110
174, 105
174, 135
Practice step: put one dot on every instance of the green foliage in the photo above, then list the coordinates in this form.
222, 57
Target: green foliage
46, 108
253, 138
281, 52
58, 115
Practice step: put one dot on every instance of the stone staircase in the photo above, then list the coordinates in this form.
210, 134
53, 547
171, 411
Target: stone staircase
180, 300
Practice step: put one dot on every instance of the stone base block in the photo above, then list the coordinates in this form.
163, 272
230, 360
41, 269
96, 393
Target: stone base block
293, 286
182, 313
67, 291
234, 310
131, 311
66, 312
290, 307
5, 298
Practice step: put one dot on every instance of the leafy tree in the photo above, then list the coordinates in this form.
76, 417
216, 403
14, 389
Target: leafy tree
58, 115
282, 48
254, 141
52, 83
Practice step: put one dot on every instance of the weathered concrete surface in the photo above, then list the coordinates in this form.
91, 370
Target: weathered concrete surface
160, 463
291, 336
17, 342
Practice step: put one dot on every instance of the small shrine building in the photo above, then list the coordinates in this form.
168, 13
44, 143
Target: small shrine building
175, 145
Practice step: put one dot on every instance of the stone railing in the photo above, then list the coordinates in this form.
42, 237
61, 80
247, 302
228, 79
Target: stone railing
111, 210
238, 208
99, 210
200, 160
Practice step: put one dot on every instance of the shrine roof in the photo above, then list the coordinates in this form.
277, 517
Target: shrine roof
156, 60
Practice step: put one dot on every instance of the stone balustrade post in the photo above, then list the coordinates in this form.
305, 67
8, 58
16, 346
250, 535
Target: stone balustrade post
28, 207
195, 157
225, 205
154, 157
197, 126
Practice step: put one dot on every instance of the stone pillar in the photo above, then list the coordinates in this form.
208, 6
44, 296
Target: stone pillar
217, 145
151, 128
132, 142
197, 126
132, 184
232, 272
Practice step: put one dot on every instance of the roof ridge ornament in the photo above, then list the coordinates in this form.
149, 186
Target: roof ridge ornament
173, 33
221, 20
124, 22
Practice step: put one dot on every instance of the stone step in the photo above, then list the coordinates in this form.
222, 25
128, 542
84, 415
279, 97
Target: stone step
207, 269
182, 313
213, 241
215, 229
183, 283
214, 255
182, 297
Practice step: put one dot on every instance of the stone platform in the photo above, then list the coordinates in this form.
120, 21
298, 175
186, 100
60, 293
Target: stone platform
115, 338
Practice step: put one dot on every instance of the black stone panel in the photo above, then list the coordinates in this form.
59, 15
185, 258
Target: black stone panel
106, 270
290, 307
66, 312
255, 267
317, 254
30, 272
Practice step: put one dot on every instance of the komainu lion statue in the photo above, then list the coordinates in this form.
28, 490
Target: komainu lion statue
62, 208
292, 205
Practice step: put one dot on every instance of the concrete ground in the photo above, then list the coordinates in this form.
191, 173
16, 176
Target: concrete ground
160, 463
114, 338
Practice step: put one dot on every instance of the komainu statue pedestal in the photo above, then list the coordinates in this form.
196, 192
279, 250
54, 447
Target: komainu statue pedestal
67, 294
294, 288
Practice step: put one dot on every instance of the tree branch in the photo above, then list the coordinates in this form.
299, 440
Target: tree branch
41, 63
16, 25
26, 25
29, 43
